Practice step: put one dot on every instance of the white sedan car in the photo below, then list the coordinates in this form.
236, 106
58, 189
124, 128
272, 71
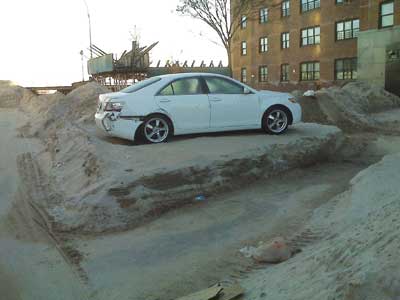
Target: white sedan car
162, 106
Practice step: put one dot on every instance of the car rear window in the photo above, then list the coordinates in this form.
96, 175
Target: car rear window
218, 85
140, 85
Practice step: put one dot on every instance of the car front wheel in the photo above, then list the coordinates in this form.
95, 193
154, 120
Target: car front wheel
156, 129
276, 121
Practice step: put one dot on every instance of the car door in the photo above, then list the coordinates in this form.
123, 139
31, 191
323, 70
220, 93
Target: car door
230, 105
187, 103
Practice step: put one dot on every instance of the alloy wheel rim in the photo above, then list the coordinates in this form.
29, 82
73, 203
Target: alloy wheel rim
277, 121
156, 130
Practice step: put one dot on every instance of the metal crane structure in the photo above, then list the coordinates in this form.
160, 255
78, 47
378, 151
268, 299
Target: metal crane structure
135, 65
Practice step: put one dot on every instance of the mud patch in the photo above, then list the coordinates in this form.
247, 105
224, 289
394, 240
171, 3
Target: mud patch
171, 180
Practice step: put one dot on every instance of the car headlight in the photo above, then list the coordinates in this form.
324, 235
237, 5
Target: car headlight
114, 106
293, 100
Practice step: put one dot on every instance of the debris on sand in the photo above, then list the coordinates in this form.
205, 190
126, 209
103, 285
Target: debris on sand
273, 252
217, 292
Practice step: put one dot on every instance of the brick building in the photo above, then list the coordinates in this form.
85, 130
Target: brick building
286, 44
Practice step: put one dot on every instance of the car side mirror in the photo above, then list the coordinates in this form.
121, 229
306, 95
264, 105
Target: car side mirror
246, 91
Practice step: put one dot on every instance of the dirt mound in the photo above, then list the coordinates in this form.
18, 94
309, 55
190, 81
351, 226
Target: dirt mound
349, 107
11, 96
57, 120
79, 105
358, 258
51, 112
123, 186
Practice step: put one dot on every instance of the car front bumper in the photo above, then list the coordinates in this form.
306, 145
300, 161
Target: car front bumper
296, 112
114, 125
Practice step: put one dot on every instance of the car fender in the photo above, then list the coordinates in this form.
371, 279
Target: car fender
269, 99
138, 108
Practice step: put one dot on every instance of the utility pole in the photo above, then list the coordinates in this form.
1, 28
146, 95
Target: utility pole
90, 29
83, 69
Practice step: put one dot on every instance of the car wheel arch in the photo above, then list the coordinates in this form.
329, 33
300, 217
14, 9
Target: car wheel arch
154, 114
279, 106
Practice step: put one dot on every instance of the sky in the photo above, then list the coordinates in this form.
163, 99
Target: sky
41, 39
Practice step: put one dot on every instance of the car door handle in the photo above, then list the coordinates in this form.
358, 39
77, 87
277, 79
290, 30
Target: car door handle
165, 100
215, 99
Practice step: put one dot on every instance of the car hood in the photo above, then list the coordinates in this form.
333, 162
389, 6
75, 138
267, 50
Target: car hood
274, 94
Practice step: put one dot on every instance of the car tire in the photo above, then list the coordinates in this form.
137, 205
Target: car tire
275, 120
156, 129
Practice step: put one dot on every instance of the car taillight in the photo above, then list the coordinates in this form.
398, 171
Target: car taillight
114, 106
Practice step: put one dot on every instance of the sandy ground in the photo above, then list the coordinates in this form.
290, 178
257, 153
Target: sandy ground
30, 268
140, 182
194, 247
358, 257
332, 196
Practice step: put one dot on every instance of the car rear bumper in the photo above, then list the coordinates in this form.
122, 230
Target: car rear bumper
115, 126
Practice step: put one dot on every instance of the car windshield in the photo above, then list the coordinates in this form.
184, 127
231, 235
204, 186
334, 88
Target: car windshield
140, 85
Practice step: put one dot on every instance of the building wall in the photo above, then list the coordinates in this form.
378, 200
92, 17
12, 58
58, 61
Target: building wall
326, 52
370, 13
372, 46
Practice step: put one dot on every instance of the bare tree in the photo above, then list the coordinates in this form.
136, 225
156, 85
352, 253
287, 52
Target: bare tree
223, 18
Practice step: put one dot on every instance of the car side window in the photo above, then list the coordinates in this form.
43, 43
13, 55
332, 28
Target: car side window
167, 91
187, 86
223, 86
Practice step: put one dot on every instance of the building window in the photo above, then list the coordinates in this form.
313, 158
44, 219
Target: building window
346, 69
243, 22
340, 1
285, 72
310, 36
263, 74
285, 38
243, 75
347, 29
244, 48
307, 5
309, 71
263, 44
263, 15
285, 6
386, 17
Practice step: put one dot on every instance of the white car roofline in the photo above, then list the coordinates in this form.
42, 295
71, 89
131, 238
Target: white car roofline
200, 74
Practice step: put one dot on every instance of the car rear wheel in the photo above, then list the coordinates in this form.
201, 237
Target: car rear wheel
276, 121
156, 129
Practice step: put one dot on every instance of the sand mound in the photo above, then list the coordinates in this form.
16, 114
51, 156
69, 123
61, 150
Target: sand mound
57, 120
6, 83
79, 105
358, 259
52, 113
349, 107
11, 96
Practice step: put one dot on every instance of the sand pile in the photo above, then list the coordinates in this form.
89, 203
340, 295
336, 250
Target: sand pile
12, 95
358, 258
79, 105
58, 121
349, 107
70, 146
51, 113
129, 185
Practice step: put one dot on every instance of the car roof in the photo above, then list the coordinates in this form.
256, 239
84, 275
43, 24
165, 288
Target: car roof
183, 75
